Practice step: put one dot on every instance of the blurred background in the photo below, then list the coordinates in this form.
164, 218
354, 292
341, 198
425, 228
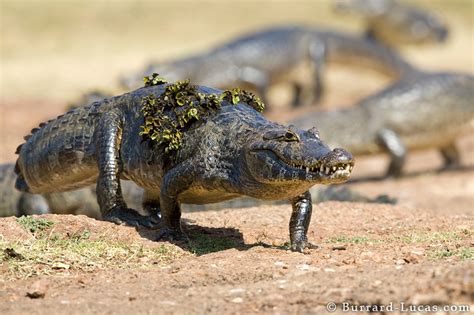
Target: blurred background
54, 51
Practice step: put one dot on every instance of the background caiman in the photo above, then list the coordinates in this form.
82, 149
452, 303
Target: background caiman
395, 23
81, 201
276, 55
234, 152
427, 110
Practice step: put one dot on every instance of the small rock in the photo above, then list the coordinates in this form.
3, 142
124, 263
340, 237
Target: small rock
37, 290
280, 264
340, 247
11, 253
60, 265
237, 300
411, 259
349, 261
400, 262
237, 291
303, 267
329, 270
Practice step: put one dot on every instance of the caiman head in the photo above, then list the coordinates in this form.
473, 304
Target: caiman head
409, 25
290, 161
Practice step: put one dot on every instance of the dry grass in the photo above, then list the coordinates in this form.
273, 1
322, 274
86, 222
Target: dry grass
440, 245
47, 253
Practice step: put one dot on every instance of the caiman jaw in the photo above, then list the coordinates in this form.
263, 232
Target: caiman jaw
322, 169
334, 167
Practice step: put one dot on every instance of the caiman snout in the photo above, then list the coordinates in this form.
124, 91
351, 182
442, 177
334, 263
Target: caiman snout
338, 165
338, 156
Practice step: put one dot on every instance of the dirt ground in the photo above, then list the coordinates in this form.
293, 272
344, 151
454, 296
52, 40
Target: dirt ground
416, 252
367, 255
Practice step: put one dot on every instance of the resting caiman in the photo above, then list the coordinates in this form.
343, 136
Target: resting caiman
261, 59
395, 23
233, 152
80, 201
427, 110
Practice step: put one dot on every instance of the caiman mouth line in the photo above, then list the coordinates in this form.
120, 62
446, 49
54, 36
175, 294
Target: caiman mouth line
319, 167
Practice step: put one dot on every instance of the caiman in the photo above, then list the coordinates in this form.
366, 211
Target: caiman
274, 55
80, 201
181, 144
427, 110
396, 23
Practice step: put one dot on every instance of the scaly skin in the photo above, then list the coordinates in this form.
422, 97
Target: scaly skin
275, 55
236, 152
396, 23
427, 110
81, 201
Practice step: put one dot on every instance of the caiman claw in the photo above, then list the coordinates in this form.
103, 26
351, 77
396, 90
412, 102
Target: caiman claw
167, 234
300, 243
126, 216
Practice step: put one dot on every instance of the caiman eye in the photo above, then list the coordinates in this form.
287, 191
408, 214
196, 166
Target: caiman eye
291, 136
281, 135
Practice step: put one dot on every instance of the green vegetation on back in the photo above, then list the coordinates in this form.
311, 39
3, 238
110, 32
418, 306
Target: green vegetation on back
181, 105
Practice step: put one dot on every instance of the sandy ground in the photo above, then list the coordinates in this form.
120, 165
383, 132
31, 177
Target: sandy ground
395, 260
418, 251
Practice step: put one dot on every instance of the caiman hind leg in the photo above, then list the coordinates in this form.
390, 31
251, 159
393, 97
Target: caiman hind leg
109, 192
390, 141
299, 222
176, 181
451, 156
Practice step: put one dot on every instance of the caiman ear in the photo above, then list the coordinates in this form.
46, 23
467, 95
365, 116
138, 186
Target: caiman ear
314, 131
286, 135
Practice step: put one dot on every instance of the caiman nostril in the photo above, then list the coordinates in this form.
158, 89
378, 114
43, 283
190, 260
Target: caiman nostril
342, 155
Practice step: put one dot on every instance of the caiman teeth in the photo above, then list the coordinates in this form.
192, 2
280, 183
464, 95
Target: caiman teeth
322, 169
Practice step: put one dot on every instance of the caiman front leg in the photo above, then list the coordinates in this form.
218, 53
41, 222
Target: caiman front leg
109, 192
299, 221
451, 156
256, 79
318, 54
176, 181
392, 143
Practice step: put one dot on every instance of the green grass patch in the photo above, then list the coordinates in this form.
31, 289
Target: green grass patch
434, 237
52, 254
464, 253
33, 224
412, 238
353, 240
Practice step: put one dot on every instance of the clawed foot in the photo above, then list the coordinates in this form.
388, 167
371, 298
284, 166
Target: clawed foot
300, 244
167, 234
450, 167
128, 216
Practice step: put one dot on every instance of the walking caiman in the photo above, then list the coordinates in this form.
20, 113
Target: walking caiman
427, 110
81, 201
231, 151
395, 23
274, 55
